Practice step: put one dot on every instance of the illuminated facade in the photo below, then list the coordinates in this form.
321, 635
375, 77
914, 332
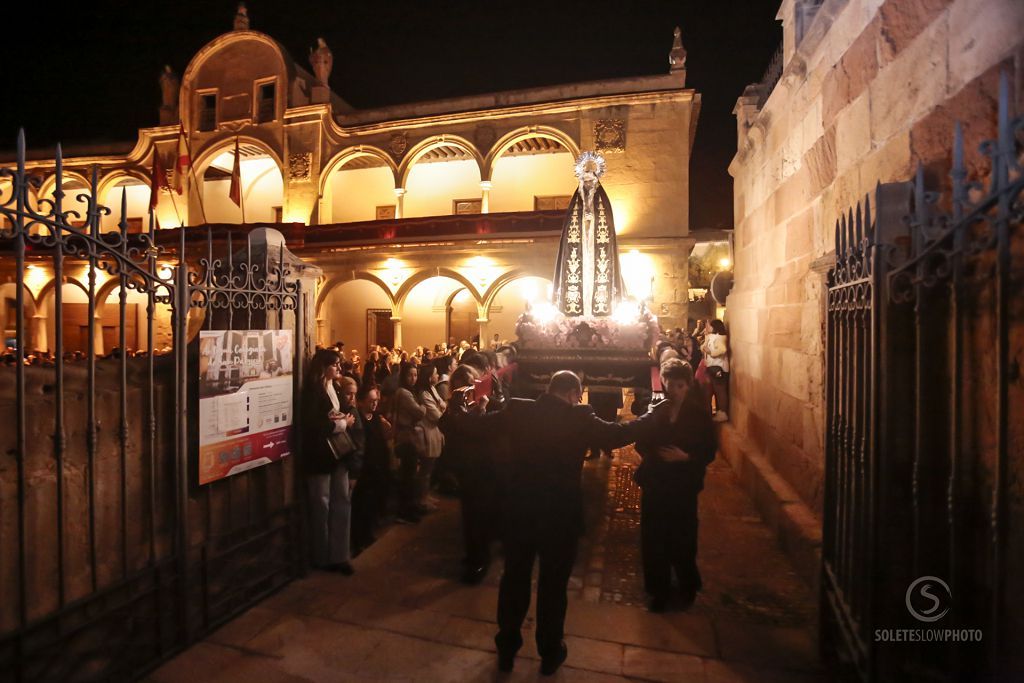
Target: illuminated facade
430, 220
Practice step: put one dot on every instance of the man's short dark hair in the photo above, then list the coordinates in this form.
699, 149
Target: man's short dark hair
564, 381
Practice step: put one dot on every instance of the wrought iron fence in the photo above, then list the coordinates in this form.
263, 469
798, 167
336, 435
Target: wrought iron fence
112, 558
921, 315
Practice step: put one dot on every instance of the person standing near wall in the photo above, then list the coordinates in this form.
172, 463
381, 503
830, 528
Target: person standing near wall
675, 455
328, 463
407, 413
432, 440
716, 359
369, 498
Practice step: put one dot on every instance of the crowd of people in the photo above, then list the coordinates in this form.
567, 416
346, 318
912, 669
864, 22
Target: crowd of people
47, 359
447, 419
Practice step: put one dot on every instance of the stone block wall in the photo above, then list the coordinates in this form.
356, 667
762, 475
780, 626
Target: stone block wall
873, 88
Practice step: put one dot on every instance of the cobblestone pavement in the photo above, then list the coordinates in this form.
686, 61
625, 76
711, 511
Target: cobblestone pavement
405, 617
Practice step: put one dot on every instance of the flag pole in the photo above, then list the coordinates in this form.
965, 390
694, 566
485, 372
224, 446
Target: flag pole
192, 172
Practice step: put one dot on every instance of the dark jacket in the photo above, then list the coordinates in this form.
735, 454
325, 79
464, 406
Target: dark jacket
543, 495
693, 431
376, 451
316, 427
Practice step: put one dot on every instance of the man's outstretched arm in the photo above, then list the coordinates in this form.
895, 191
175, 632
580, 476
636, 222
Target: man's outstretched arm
616, 435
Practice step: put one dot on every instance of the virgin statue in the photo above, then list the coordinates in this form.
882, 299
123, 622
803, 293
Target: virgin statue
587, 279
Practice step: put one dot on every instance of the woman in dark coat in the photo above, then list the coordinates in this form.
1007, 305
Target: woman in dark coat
369, 499
327, 410
675, 454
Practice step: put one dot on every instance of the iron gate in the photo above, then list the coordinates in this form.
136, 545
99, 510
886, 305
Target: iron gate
112, 558
923, 327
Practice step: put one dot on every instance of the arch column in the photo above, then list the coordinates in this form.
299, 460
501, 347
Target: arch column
320, 324
399, 203
97, 333
485, 196
37, 332
396, 327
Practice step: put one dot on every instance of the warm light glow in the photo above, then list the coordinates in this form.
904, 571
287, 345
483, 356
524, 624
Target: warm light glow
36, 278
626, 311
394, 273
529, 290
544, 312
481, 271
165, 272
637, 274
725, 262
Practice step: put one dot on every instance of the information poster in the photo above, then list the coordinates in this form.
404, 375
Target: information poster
245, 400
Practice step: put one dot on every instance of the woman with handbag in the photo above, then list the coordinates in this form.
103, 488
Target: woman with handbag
407, 413
329, 457
716, 359
432, 439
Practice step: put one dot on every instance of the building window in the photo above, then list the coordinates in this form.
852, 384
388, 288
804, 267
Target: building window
555, 202
464, 206
385, 212
267, 102
208, 112
278, 213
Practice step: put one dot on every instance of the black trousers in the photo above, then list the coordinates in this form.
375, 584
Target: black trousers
478, 495
369, 502
668, 539
408, 460
556, 554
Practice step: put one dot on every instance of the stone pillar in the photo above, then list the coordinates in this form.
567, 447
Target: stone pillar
397, 327
483, 331
485, 196
97, 332
320, 324
36, 332
399, 202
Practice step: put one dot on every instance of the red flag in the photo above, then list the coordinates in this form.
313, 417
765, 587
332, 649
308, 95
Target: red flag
235, 193
157, 180
182, 162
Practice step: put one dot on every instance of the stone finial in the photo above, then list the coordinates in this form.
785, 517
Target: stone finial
322, 61
677, 56
170, 86
242, 18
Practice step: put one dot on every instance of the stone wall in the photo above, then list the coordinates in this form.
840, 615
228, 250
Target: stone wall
872, 89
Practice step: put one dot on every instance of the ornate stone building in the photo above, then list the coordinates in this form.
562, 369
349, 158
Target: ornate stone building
421, 216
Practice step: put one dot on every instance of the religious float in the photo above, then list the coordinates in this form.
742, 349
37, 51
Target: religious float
590, 326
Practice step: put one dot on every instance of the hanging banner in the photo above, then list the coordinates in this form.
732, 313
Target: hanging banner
245, 400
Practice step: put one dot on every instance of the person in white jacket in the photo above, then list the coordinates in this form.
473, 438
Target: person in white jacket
716, 360
432, 440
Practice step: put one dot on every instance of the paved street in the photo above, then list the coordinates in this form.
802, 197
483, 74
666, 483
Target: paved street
405, 617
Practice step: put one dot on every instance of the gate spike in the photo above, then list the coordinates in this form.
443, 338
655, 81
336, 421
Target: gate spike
920, 212
858, 234
123, 223
869, 228
850, 231
21, 151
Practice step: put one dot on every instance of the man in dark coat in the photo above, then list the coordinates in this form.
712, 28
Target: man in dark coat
543, 510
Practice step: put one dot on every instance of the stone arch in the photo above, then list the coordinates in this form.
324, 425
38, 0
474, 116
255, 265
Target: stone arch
30, 301
351, 153
47, 289
337, 280
499, 147
106, 196
505, 278
326, 190
424, 146
216, 206
50, 183
415, 279
225, 141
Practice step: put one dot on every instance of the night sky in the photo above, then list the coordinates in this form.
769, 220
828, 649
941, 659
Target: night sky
90, 74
